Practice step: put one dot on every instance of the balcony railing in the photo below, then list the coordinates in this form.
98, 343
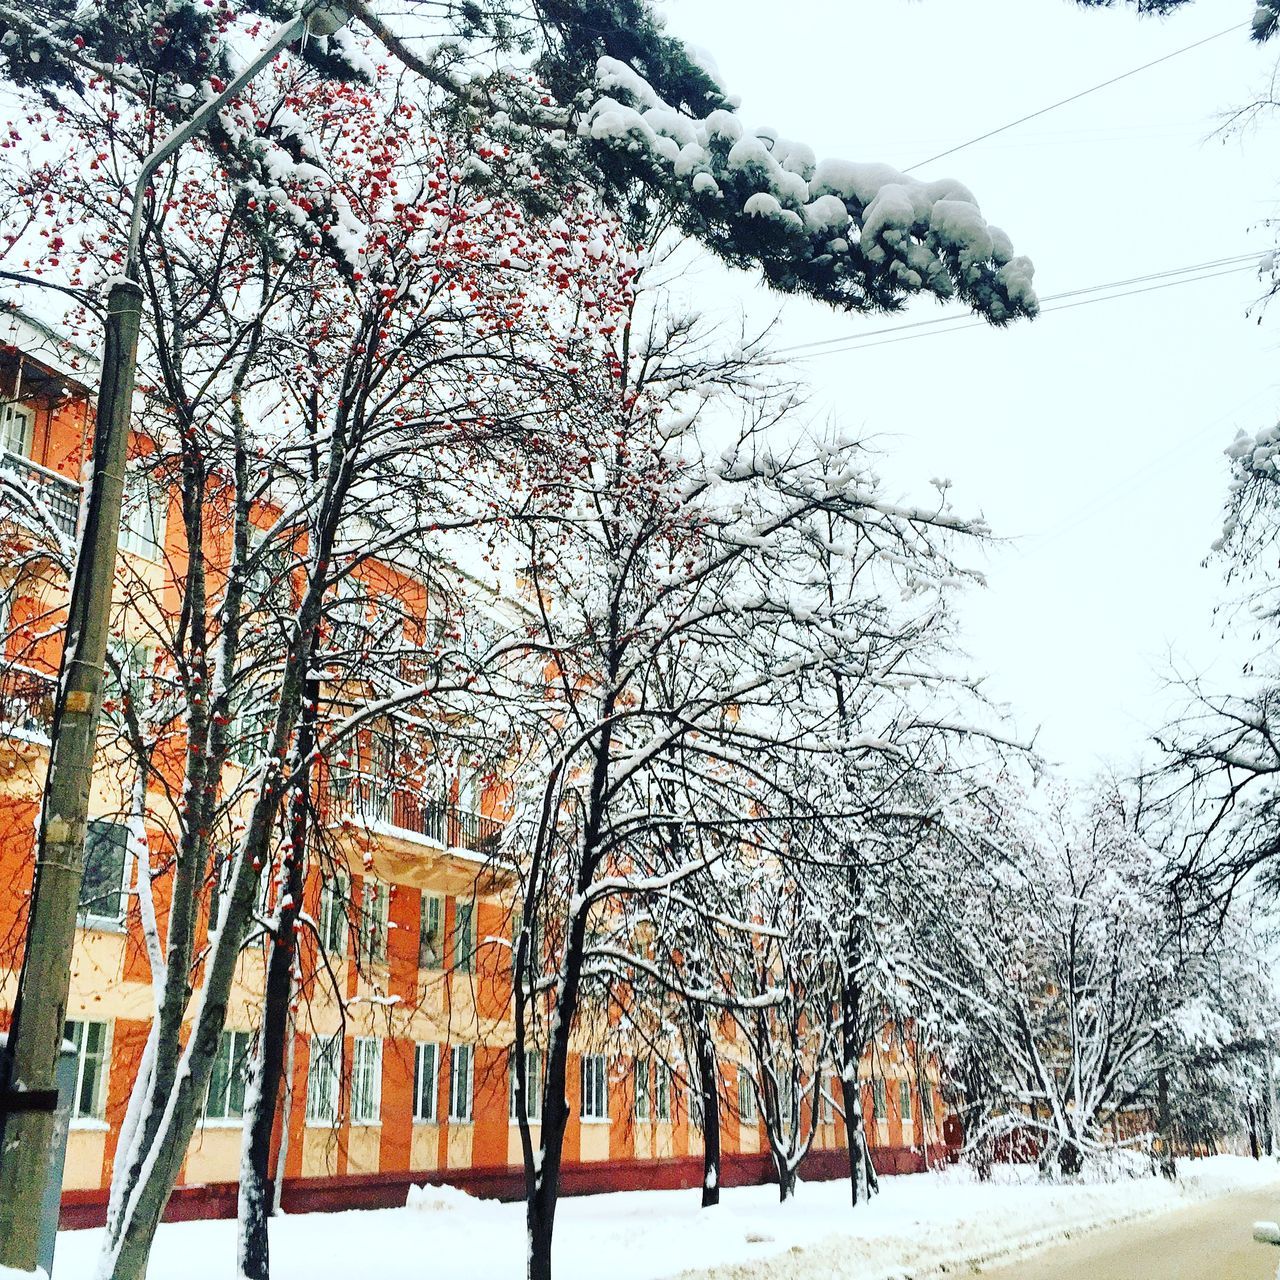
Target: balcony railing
362, 796
26, 702
60, 496
473, 831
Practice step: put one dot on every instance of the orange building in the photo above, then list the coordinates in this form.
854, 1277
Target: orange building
404, 1078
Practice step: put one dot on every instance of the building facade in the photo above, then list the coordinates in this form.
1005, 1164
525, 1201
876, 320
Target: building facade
398, 1066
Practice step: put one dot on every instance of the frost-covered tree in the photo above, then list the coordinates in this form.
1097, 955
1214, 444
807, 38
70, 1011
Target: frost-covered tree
1076, 983
1266, 13
594, 94
309, 406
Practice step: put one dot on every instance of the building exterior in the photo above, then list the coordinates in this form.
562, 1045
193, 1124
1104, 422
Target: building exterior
398, 1066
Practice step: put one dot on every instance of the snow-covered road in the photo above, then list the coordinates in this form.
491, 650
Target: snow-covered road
917, 1222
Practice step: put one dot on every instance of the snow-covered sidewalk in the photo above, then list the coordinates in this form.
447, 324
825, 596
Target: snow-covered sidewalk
917, 1224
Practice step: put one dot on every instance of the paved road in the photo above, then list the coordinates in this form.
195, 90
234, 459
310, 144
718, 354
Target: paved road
1210, 1241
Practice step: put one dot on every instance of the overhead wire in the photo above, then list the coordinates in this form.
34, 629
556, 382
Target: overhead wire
1075, 97
1067, 300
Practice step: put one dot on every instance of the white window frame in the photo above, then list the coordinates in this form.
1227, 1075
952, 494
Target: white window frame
431, 912
375, 915
462, 952
904, 1101
76, 1030
643, 1107
26, 414
533, 1085
461, 1083
141, 515
335, 897
86, 916
234, 1047
746, 1097
428, 1052
366, 1081
593, 1074
927, 1109
324, 1079
879, 1101
662, 1091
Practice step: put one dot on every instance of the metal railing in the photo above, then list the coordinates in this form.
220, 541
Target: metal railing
473, 831
363, 796
60, 495
360, 795
26, 701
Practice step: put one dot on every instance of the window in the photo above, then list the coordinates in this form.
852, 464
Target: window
642, 1088
141, 516
878, 1101
366, 1081
533, 1084
662, 1092
746, 1097
106, 865
464, 936
250, 733
335, 894
904, 1100
426, 1074
460, 1083
431, 938
926, 1101
372, 938
323, 1074
595, 1087
225, 1099
16, 428
90, 1039
127, 662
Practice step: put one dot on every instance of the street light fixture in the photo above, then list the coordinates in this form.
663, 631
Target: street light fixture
28, 1095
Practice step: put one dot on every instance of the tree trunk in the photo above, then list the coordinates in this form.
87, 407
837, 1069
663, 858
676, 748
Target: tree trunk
1164, 1125
255, 1202
708, 1079
863, 1182
862, 1174
786, 1178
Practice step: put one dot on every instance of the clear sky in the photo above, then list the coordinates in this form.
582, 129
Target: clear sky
1092, 440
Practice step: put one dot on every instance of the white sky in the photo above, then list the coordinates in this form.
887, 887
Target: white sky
1093, 439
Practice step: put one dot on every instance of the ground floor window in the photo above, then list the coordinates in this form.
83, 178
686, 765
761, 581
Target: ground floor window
366, 1081
91, 1040
595, 1087
533, 1085
460, 1067
324, 1073
227, 1080
426, 1075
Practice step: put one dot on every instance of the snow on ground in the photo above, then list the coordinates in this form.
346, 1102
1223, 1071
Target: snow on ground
917, 1224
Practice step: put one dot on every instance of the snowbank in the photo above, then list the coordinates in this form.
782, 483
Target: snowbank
917, 1224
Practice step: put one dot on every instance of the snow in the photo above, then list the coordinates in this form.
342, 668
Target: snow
918, 1224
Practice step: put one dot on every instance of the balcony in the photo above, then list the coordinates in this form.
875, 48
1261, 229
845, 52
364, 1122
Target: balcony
473, 831
366, 798
26, 702
60, 496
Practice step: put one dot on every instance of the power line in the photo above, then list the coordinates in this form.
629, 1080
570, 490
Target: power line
1239, 259
957, 322
1075, 97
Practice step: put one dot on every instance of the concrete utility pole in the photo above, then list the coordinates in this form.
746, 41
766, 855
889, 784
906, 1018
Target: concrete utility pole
28, 1092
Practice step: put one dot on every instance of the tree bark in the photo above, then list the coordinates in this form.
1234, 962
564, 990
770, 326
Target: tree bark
255, 1202
708, 1079
1164, 1125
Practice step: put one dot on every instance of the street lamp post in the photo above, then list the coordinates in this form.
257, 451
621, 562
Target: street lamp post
28, 1095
